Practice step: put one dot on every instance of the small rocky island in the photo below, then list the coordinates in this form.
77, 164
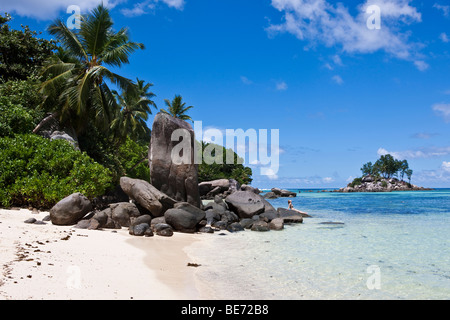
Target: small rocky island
385, 175
376, 184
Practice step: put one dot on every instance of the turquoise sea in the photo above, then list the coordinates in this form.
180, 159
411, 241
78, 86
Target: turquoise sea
392, 245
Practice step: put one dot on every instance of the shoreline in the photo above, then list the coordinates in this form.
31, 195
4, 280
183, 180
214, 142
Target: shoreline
41, 262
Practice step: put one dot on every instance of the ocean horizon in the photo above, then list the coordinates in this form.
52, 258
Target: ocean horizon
387, 245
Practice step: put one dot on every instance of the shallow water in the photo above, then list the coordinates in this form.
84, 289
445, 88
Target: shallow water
389, 246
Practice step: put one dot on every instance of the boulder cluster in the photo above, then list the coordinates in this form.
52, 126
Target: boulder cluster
277, 193
150, 211
376, 184
172, 200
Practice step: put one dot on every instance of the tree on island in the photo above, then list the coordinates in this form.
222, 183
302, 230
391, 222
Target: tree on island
387, 167
176, 108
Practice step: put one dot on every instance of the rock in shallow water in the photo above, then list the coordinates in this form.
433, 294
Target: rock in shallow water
245, 203
260, 226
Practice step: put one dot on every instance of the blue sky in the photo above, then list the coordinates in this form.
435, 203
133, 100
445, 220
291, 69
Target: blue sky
340, 93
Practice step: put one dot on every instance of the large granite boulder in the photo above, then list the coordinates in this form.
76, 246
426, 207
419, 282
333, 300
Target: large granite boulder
122, 213
246, 204
178, 180
276, 224
70, 210
62, 135
245, 187
220, 187
290, 216
294, 212
146, 195
184, 217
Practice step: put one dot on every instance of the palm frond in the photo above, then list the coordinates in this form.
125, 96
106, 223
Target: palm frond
95, 30
68, 39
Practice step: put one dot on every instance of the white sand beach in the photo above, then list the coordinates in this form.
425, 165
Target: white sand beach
59, 262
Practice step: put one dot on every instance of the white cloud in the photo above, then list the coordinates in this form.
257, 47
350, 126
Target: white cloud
423, 135
177, 4
281, 86
327, 180
429, 152
49, 9
148, 6
330, 24
445, 9
138, 9
328, 66
338, 79
442, 110
246, 80
337, 60
421, 65
444, 37
436, 177
446, 166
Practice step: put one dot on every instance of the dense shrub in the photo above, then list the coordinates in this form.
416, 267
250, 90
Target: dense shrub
235, 170
133, 158
15, 119
37, 172
355, 182
18, 107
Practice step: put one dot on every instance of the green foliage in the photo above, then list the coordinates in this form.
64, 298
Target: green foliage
14, 119
368, 169
18, 102
212, 168
78, 79
21, 52
37, 172
176, 108
384, 184
387, 167
355, 182
98, 146
134, 160
135, 107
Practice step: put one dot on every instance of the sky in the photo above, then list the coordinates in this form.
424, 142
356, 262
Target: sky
342, 82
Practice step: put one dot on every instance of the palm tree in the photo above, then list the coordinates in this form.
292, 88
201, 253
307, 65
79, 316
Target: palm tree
135, 108
176, 108
76, 79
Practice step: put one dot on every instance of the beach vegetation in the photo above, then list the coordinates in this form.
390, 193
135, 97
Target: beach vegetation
38, 172
22, 52
177, 108
79, 80
135, 107
222, 169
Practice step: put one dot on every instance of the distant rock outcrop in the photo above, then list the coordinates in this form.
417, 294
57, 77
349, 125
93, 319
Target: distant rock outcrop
276, 193
377, 184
